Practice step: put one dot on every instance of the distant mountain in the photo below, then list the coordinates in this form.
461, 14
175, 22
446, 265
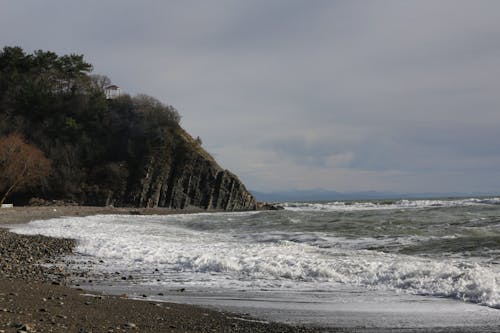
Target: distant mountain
328, 195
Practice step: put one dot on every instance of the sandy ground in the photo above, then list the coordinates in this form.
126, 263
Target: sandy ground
35, 299
26, 214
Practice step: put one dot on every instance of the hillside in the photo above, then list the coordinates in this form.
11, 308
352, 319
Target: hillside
125, 151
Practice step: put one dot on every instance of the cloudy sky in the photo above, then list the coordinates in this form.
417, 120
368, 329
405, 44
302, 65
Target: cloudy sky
342, 95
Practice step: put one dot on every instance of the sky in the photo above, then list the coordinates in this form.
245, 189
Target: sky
381, 95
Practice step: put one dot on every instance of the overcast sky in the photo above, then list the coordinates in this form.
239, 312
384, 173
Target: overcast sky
342, 95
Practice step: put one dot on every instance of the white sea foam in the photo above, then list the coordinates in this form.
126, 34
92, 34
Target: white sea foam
227, 260
374, 205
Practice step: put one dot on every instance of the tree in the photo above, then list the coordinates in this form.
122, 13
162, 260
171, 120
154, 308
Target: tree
156, 111
21, 165
100, 82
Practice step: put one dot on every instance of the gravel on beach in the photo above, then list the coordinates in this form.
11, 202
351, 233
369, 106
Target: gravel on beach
34, 298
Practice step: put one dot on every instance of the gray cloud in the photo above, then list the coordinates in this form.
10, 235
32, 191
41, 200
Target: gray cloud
346, 95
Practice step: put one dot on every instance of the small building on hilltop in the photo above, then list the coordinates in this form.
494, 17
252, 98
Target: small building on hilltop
112, 91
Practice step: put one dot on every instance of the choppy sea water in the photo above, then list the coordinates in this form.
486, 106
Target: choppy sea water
403, 263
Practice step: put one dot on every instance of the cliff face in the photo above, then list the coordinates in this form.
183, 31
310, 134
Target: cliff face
184, 175
122, 151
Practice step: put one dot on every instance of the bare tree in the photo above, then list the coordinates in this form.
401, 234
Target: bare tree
21, 165
100, 81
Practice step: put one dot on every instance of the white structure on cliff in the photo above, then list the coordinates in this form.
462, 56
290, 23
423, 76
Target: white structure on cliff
112, 91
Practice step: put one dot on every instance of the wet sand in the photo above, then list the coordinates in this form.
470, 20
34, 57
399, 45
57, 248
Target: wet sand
34, 298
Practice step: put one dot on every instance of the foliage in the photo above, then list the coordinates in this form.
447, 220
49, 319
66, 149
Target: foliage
21, 165
54, 102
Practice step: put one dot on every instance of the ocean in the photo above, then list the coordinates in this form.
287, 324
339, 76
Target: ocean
353, 264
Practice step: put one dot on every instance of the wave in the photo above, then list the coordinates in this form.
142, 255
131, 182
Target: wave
381, 205
224, 260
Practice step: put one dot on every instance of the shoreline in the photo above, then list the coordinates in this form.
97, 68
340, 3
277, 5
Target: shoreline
26, 214
34, 298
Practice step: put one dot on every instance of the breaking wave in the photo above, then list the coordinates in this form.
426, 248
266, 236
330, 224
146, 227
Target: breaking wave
387, 204
229, 260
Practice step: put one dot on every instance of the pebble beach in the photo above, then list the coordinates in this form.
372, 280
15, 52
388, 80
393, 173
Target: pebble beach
34, 296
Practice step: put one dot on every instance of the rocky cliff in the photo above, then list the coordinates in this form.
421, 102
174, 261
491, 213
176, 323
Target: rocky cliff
178, 173
175, 173
121, 150
184, 175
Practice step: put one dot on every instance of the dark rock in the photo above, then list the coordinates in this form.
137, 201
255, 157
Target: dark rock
269, 206
177, 174
22, 327
43, 202
185, 176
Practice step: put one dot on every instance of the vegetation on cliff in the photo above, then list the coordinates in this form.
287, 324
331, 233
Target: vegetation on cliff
126, 151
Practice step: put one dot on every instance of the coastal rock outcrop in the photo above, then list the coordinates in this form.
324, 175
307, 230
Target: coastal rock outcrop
184, 175
104, 149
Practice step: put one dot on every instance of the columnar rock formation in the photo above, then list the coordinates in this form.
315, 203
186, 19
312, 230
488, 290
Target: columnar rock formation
186, 175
